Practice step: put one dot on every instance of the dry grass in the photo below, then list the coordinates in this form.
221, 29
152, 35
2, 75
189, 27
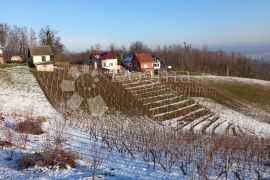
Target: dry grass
58, 158
29, 127
55, 158
4, 144
1, 117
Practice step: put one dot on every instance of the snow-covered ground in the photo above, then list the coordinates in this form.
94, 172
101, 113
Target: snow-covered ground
20, 93
226, 116
21, 96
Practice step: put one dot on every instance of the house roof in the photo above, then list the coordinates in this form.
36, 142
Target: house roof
95, 54
40, 50
108, 55
144, 57
128, 59
156, 59
102, 55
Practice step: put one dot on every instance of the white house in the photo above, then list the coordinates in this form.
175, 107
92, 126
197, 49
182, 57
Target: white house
104, 60
156, 62
2, 60
40, 57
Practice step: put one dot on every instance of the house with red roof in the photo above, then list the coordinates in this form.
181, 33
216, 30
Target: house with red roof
143, 62
104, 60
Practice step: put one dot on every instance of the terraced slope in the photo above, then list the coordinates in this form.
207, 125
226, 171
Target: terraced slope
162, 103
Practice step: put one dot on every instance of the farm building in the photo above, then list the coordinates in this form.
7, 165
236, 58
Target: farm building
2, 60
143, 62
40, 57
104, 60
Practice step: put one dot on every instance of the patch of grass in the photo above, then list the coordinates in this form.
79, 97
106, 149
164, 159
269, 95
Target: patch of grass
186, 73
3, 66
256, 95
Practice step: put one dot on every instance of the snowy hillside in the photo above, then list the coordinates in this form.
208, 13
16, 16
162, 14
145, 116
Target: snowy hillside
21, 96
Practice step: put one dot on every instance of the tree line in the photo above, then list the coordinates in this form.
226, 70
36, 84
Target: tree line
15, 40
182, 57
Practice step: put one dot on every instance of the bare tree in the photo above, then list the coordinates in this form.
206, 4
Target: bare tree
138, 47
32, 37
112, 48
49, 36
4, 31
97, 47
98, 158
23, 41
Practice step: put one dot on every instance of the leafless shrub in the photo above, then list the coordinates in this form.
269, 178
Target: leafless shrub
97, 159
29, 160
58, 158
54, 158
29, 127
5, 144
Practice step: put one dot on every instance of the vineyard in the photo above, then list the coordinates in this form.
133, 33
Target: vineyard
191, 87
162, 104
126, 144
132, 94
164, 99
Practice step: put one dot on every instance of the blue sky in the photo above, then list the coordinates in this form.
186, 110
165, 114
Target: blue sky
82, 23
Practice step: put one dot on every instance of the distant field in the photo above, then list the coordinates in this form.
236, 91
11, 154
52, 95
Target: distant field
256, 95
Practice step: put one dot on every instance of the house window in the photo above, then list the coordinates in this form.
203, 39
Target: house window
43, 58
104, 64
145, 66
111, 64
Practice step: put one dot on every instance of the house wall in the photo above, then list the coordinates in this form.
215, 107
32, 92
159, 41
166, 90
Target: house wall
38, 59
109, 64
157, 65
45, 67
2, 60
144, 65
